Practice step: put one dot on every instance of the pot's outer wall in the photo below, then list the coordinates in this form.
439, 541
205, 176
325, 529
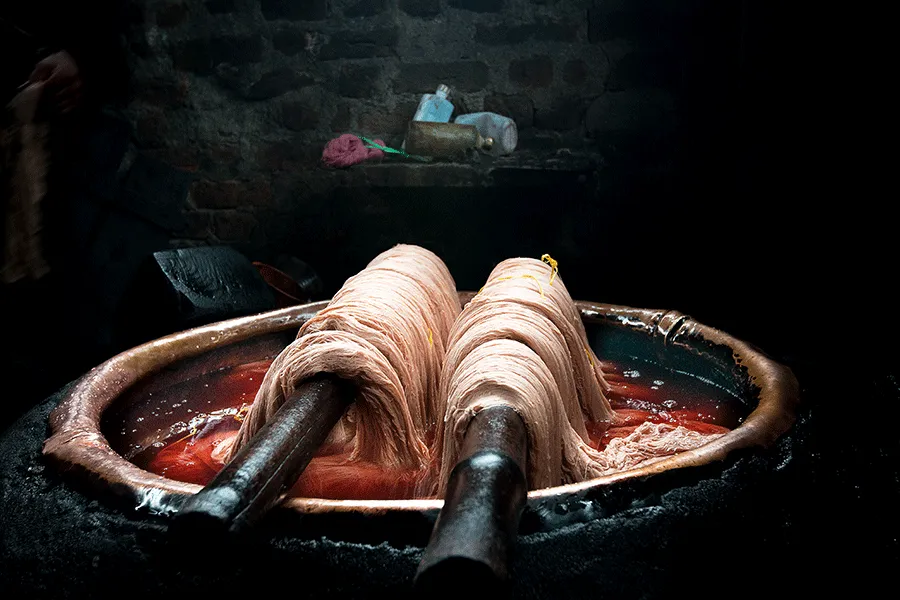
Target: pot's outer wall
757, 522
693, 531
78, 443
66, 541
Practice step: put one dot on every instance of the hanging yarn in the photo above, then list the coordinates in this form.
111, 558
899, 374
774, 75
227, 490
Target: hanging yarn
23, 172
524, 346
385, 330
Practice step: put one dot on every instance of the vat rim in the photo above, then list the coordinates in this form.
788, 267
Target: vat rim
76, 438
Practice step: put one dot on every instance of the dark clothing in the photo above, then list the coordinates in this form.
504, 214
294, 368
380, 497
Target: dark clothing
90, 32
37, 315
33, 29
20, 53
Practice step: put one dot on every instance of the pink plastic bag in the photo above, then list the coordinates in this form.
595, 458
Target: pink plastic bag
348, 150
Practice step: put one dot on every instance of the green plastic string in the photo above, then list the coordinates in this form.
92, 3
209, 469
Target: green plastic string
371, 144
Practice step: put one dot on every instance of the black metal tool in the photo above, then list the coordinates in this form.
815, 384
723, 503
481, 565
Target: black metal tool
472, 540
253, 481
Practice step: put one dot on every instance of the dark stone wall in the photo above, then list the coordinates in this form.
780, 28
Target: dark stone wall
245, 93
653, 142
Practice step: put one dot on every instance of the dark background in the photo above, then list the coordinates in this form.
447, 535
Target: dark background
672, 155
718, 158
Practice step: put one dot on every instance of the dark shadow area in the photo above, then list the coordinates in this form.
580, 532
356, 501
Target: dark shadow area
664, 160
671, 156
806, 505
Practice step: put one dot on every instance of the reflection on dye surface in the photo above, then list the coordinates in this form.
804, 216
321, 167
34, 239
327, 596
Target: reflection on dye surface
191, 421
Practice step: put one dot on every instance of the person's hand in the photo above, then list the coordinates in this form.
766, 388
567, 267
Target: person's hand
60, 74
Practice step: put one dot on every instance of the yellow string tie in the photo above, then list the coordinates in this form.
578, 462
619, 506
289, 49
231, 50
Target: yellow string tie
590, 356
540, 287
508, 277
554, 266
430, 337
191, 433
493, 281
241, 413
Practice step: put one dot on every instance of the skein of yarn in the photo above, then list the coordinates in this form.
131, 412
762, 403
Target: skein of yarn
385, 330
520, 343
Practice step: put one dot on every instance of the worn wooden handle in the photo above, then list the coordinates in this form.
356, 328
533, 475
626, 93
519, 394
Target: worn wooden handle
253, 481
472, 540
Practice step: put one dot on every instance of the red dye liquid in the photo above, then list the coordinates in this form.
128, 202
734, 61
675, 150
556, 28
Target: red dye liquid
640, 393
649, 393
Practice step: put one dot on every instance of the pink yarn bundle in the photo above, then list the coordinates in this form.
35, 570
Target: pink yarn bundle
385, 330
348, 150
520, 342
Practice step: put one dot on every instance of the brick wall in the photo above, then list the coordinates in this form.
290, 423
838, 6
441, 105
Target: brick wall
241, 95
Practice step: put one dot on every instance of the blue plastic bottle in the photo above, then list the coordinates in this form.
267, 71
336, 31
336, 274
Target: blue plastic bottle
435, 108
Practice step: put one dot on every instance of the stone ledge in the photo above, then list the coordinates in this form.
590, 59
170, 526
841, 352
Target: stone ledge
512, 171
